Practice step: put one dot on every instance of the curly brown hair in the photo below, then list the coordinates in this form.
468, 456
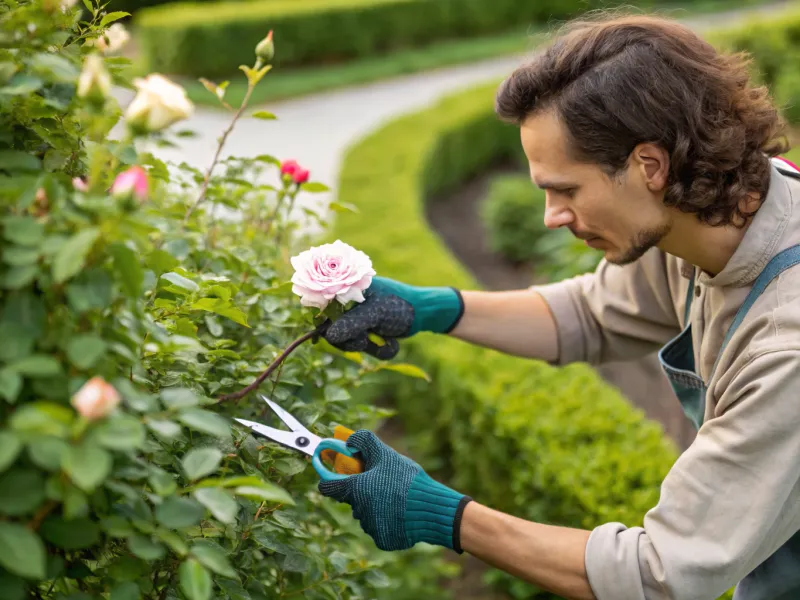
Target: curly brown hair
619, 80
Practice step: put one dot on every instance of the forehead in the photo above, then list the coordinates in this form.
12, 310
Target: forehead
545, 143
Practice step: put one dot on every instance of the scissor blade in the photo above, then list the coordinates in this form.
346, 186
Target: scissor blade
304, 441
286, 417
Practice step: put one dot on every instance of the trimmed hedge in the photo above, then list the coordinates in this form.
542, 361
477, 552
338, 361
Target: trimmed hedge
206, 39
556, 445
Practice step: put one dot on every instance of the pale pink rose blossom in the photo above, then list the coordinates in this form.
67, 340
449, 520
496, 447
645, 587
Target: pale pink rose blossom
331, 271
95, 399
79, 184
132, 181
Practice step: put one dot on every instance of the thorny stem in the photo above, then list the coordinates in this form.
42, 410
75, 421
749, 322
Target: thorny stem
273, 365
204, 189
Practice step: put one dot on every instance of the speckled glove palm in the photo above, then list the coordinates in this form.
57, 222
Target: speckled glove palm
396, 501
392, 310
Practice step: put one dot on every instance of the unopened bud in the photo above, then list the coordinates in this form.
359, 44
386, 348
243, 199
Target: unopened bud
94, 82
265, 50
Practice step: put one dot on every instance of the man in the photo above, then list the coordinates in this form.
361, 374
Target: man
656, 150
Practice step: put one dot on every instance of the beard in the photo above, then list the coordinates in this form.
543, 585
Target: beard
640, 244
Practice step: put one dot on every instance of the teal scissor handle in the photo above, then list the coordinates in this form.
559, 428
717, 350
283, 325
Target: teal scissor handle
329, 444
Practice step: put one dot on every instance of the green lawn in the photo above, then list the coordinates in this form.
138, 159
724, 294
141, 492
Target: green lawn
280, 84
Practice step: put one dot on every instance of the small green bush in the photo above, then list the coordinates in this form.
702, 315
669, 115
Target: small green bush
555, 445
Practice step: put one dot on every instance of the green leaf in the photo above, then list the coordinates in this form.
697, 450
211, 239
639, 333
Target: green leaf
22, 84
20, 257
265, 491
295, 563
74, 534
205, 421
72, 256
129, 270
343, 207
84, 351
176, 398
213, 558
18, 277
21, 492
161, 262
54, 67
219, 502
42, 418
145, 548
314, 187
15, 160
46, 452
24, 231
38, 365
263, 114
10, 385
290, 466
221, 307
120, 432
116, 526
21, 551
229, 482
200, 462
195, 580
163, 483
181, 281
279, 289
405, 369
10, 447
177, 513
113, 16
165, 429
13, 587
174, 541
87, 466
125, 591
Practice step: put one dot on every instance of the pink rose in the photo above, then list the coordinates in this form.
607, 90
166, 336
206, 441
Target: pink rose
95, 399
79, 184
300, 175
288, 167
331, 271
133, 181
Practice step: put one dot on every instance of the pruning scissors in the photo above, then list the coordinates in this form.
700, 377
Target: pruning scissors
299, 438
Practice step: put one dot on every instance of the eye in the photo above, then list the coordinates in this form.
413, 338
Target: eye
567, 192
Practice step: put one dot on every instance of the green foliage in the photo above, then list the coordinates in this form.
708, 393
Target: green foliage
514, 215
165, 308
774, 45
551, 444
203, 39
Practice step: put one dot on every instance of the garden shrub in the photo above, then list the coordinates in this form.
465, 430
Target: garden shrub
127, 314
556, 445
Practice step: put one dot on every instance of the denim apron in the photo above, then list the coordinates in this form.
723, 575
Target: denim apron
778, 577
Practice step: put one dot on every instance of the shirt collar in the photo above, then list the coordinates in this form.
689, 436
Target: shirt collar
760, 241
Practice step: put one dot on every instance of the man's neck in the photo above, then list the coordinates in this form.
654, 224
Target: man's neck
709, 248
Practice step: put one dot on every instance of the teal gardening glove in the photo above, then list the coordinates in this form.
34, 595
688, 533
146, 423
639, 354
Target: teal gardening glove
392, 309
395, 500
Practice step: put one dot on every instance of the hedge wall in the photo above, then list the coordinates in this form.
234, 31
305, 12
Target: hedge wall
551, 444
205, 39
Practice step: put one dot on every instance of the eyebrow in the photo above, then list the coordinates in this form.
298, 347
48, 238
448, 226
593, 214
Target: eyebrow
549, 185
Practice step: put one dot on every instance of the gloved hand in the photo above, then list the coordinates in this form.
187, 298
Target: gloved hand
392, 309
396, 501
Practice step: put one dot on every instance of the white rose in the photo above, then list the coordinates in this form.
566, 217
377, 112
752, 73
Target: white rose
95, 399
331, 271
117, 37
159, 104
94, 82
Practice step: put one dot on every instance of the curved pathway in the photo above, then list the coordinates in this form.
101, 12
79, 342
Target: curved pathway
316, 130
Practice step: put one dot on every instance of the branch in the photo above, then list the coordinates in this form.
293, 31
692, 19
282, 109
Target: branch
273, 365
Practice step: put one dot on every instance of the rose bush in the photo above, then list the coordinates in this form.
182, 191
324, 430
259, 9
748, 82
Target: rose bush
130, 315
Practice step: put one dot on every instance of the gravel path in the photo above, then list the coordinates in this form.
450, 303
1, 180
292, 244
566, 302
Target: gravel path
316, 130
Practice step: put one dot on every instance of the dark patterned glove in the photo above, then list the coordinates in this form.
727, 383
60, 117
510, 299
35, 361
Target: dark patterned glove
396, 501
392, 310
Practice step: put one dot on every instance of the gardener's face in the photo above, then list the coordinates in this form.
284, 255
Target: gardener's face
624, 216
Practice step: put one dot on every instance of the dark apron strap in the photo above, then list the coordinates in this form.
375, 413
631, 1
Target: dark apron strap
779, 263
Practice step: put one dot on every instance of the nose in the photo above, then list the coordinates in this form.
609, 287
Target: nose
556, 215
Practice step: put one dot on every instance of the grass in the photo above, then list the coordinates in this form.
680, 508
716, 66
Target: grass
281, 85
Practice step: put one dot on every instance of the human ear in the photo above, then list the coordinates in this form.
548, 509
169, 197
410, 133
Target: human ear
652, 161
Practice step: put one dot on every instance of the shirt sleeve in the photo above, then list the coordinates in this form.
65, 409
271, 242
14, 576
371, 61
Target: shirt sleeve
728, 503
616, 312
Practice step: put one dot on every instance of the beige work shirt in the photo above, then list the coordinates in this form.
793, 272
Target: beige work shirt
733, 497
